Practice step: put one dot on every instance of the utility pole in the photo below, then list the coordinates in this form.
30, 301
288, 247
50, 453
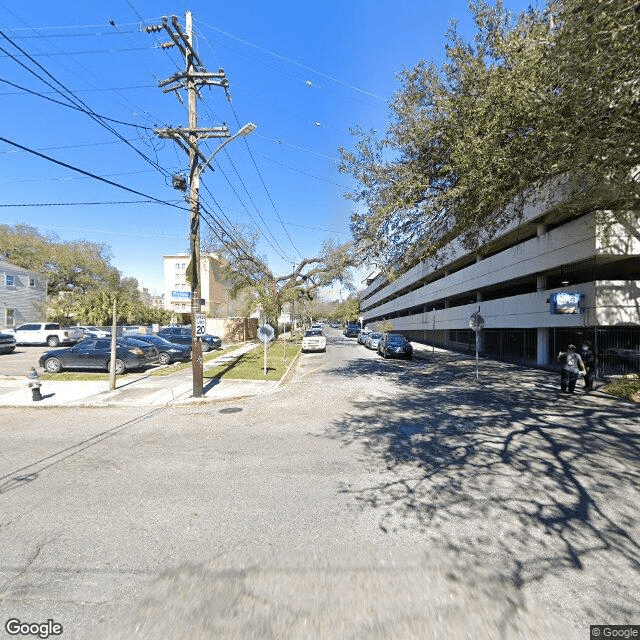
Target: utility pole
194, 77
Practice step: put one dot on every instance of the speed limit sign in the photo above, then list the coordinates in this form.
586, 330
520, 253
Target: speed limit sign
201, 324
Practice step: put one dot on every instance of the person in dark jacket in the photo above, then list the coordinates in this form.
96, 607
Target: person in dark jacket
589, 361
571, 366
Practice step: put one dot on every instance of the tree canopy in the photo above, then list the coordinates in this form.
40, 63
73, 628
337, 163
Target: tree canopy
249, 275
81, 282
535, 97
79, 266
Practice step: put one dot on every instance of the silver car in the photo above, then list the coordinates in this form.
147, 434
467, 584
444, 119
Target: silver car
371, 341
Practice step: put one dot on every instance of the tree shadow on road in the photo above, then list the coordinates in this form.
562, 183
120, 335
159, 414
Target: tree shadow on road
505, 469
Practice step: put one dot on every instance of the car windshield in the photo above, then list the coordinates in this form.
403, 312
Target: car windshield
396, 339
312, 332
375, 336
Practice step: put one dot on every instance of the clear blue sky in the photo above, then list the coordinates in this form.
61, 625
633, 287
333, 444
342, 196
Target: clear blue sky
303, 72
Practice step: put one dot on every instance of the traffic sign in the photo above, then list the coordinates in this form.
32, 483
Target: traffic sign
476, 322
265, 333
201, 324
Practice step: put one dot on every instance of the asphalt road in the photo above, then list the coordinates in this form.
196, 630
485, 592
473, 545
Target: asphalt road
365, 499
19, 362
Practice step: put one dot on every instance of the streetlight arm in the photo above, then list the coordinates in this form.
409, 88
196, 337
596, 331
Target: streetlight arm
244, 131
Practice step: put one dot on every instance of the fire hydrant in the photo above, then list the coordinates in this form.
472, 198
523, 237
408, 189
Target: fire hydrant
34, 384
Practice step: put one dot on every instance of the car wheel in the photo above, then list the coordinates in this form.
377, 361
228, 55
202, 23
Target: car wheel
206, 347
53, 365
164, 358
120, 366
53, 341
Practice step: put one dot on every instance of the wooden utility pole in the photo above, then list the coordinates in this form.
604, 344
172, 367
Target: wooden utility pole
194, 77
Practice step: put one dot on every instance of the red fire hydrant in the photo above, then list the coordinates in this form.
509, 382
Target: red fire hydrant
34, 383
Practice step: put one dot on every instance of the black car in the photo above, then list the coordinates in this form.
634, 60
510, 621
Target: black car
182, 335
168, 352
96, 354
351, 331
395, 345
7, 343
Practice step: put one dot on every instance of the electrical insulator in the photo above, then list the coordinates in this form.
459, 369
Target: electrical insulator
153, 28
167, 45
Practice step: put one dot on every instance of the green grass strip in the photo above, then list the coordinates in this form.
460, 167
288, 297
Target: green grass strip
250, 366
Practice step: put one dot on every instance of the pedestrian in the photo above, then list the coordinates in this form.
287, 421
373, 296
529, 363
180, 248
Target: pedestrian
571, 366
589, 361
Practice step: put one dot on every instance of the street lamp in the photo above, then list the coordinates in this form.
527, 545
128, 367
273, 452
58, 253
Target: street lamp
194, 242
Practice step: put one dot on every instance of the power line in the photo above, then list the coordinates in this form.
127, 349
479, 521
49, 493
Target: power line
295, 62
71, 106
89, 174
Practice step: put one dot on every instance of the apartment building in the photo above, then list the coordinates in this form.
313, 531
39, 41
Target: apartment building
23, 296
177, 291
563, 273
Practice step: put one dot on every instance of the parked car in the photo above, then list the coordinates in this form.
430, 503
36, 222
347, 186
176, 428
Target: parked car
93, 332
372, 340
351, 331
623, 358
50, 333
95, 353
182, 335
395, 345
363, 335
313, 340
7, 343
135, 330
168, 352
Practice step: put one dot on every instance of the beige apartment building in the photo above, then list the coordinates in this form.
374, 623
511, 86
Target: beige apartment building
177, 291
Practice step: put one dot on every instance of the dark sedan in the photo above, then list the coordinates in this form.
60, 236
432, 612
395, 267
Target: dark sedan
96, 354
351, 331
182, 335
395, 345
7, 343
168, 352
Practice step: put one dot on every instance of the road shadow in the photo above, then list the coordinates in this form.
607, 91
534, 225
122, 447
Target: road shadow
505, 469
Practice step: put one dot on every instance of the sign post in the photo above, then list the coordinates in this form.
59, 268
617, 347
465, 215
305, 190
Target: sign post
265, 334
476, 322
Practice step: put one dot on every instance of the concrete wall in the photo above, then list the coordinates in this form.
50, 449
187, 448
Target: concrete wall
233, 329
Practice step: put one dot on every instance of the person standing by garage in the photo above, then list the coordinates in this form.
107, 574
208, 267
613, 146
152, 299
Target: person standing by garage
589, 360
571, 366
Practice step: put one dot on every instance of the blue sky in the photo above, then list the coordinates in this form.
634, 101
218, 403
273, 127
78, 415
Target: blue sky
303, 72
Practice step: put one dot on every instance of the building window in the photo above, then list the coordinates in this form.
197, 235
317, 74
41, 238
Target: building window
8, 280
32, 281
9, 317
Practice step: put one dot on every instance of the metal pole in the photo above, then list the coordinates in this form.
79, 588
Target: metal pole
433, 349
114, 349
265, 357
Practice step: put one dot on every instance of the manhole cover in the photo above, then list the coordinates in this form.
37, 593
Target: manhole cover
230, 410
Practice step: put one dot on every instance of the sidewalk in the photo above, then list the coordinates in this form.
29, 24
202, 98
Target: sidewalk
138, 391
